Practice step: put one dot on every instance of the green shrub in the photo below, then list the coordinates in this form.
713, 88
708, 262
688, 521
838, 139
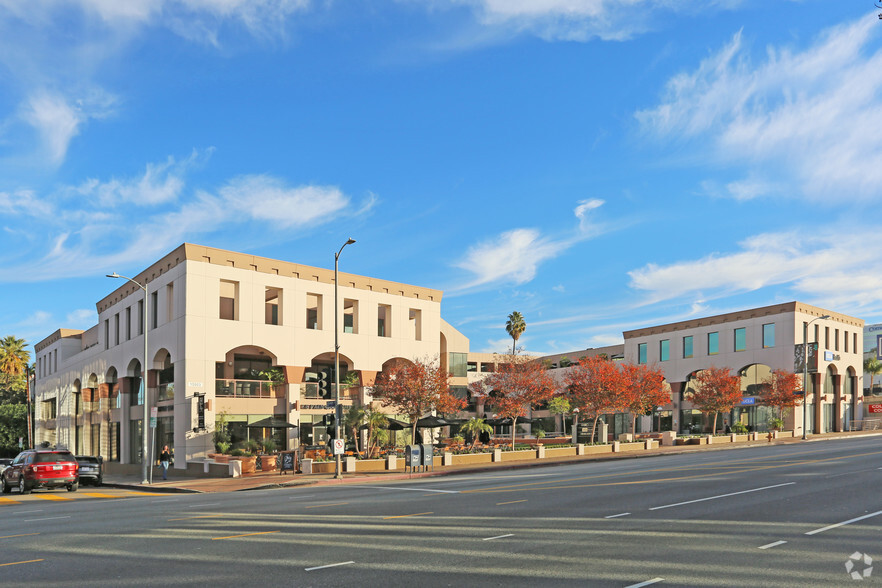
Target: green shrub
238, 453
739, 428
223, 446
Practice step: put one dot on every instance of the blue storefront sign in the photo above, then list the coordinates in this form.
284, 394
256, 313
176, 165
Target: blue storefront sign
748, 401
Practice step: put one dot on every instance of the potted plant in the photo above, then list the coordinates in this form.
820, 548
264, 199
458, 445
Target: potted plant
223, 447
249, 462
776, 424
268, 457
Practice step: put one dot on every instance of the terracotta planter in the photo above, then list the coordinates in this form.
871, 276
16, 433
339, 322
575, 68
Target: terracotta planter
249, 464
268, 462
221, 458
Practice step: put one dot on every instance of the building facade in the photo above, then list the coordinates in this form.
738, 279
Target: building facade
252, 336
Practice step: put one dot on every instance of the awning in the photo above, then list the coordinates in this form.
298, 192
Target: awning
272, 423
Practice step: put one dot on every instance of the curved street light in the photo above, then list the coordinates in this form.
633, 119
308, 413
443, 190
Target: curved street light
338, 474
145, 469
805, 367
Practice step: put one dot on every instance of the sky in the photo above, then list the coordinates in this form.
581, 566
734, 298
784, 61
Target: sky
596, 165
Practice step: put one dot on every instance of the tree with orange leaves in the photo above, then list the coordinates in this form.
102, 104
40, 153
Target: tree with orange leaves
716, 391
595, 386
416, 389
644, 389
519, 383
779, 391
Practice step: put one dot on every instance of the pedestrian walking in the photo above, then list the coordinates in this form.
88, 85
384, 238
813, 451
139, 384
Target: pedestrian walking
164, 459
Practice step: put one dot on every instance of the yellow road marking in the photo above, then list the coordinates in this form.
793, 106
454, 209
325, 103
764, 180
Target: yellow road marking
22, 535
4, 500
323, 505
15, 563
245, 535
157, 494
419, 514
199, 517
53, 497
512, 502
98, 495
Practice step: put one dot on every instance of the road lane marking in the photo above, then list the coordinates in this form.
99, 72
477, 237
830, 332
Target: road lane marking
721, 496
842, 524
621, 514
246, 535
342, 563
53, 497
27, 511
22, 535
199, 517
770, 545
409, 489
418, 514
99, 495
323, 505
4, 500
15, 563
511, 502
205, 504
498, 537
647, 583
46, 519
161, 500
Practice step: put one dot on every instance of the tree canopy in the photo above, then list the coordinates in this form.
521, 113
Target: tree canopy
515, 327
716, 391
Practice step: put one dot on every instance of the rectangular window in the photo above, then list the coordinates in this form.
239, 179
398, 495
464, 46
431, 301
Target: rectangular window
845, 340
154, 316
140, 317
350, 316
472, 367
169, 303
272, 306
229, 300
415, 320
713, 343
641, 353
768, 335
854, 342
458, 365
314, 312
836, 340
128, 323
741, 339
664, 350
384, 320
106, 333
687, 347
817, 338
826, 337
487, 367
116, 329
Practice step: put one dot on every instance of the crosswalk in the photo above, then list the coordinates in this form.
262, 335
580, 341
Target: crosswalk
14, 499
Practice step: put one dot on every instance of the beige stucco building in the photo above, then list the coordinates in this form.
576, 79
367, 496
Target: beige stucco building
218, 324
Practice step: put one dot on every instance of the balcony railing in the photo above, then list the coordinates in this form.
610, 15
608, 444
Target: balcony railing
248, 389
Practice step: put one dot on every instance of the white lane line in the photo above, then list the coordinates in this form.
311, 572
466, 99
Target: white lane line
770, 545
721, 496
342, 563
46, 519
299, 497
408, 489
497, 537
621, 514
845, 474
647, 583
842, 524
206, 504
27, 511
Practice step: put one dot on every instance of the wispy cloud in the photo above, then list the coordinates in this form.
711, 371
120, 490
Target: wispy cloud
515, 256
810, 116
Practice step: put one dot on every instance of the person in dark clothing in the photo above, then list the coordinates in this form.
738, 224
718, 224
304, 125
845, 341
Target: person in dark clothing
484, 437
164, 459
419, 438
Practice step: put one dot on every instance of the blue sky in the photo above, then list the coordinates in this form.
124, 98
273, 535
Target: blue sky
597, 165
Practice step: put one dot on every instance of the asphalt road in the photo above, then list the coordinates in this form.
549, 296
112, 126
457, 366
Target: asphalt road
789, 515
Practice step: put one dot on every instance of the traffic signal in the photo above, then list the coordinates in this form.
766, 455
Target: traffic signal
324, 383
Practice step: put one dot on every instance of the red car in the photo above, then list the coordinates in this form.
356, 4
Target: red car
38, 468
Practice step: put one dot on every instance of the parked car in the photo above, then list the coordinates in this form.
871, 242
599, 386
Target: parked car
91, 469
41, 468
4, 463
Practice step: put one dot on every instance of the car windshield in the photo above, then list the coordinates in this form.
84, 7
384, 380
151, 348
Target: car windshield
87, 459
52, 457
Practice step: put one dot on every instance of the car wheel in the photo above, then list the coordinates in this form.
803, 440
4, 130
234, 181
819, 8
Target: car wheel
72, 487
6, 488
22, 487
99, 481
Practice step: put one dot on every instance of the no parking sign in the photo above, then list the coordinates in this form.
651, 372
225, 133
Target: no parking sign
338, 446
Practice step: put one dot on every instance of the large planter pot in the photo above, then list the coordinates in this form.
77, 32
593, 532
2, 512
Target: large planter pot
221, 458
268, 463
249, 464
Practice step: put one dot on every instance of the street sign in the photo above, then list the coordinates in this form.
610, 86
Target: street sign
338, 446
154, 412
748, 400
152, 422
331, 404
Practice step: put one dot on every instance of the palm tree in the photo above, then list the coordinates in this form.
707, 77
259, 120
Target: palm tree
14, 357
515, 328
873, 367
474, 427
375, 421
352, 420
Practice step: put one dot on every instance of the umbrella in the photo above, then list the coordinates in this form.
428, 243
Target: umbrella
432, 422
272, 423
394, 425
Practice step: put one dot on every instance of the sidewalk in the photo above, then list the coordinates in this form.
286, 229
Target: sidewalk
263, 480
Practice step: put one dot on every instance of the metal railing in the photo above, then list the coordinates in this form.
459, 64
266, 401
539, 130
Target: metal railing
248, 389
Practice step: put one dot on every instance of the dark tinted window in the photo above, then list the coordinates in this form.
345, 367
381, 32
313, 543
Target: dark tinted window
54, 457
87, 459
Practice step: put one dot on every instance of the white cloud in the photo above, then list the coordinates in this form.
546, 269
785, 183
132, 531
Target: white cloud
267, 199
82, 318
811, 115
582, 210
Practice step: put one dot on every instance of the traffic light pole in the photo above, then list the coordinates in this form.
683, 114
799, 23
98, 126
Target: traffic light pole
338, 472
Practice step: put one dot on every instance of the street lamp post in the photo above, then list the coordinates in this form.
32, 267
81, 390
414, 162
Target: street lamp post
805, 367
338, 473
145, 460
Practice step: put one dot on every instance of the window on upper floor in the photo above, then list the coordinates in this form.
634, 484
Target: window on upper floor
116, 329
140, 317
845, 340
740, 339
350, 316
836, 340
472, 367
664, 350
229, 300
687, 346
272, 306
826, 337
487, 367
384, 320
415, 321
713, 343
128, 323
106, 333
768, 335
169, 302
314, 311
458, 365
154, 304
641, 353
